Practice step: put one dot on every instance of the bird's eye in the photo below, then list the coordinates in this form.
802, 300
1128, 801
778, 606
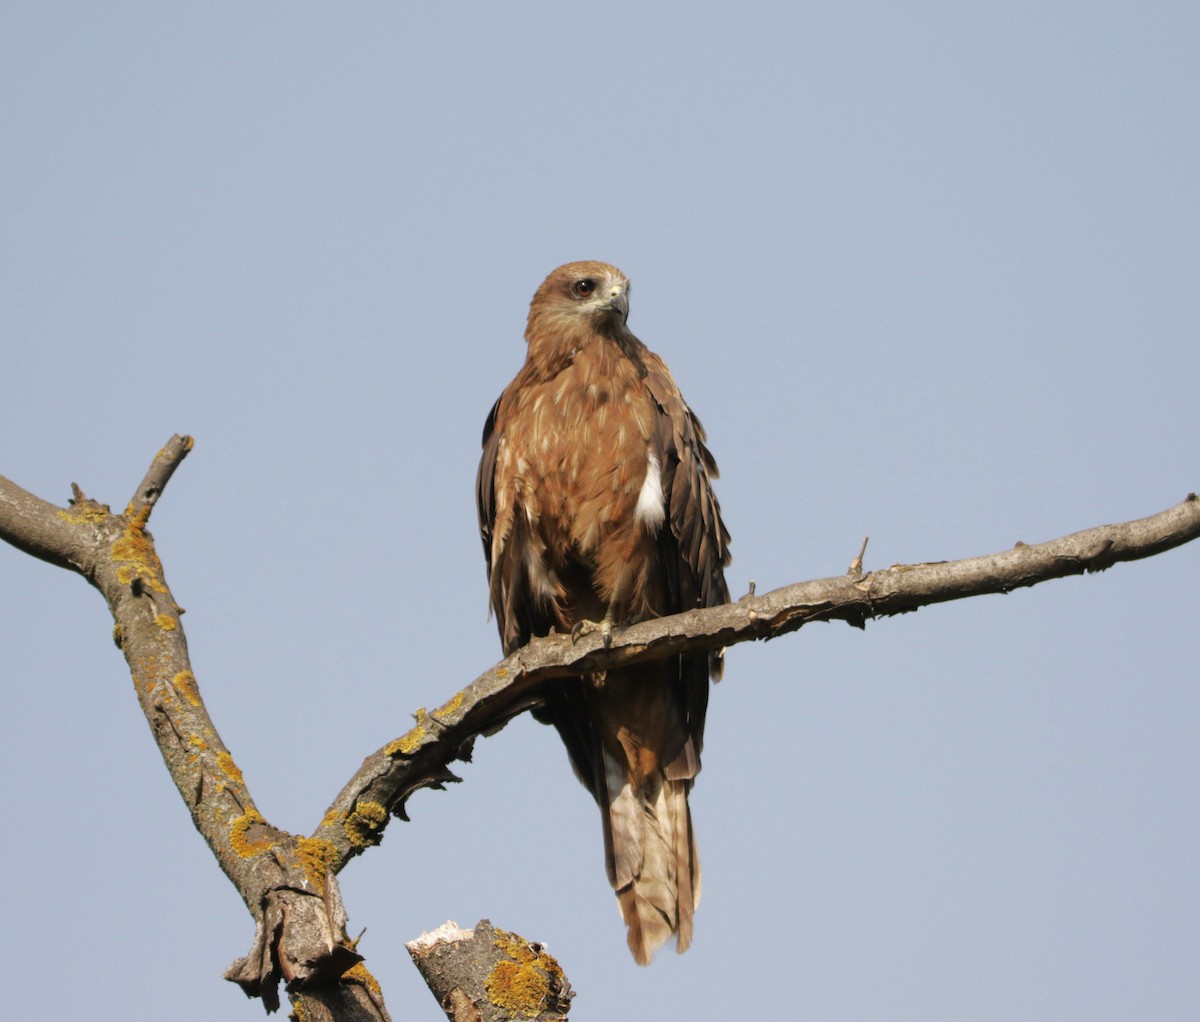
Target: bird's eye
584, 287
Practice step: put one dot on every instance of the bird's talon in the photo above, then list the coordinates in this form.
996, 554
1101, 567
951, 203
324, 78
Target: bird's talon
581, 628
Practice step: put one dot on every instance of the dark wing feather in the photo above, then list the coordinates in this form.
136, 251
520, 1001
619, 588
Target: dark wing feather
564, 698
511, 601
485, 486
694, 550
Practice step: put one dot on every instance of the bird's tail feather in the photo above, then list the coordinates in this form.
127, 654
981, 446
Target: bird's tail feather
651, 856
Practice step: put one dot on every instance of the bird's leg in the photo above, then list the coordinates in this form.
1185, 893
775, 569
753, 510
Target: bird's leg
614, 608
604, 627
610, 619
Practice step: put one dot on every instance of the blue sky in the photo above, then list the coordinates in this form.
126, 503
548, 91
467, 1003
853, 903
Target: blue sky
927, 272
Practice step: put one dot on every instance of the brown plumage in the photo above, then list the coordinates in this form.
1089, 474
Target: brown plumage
596, 505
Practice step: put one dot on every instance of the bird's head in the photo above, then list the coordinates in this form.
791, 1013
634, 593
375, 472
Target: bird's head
578, 298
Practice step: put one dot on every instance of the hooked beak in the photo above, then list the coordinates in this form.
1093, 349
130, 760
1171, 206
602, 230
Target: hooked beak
619, 302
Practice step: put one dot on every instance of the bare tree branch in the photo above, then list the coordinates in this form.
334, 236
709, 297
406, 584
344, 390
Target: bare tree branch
288, 882
285, 880
421, 757
159, 474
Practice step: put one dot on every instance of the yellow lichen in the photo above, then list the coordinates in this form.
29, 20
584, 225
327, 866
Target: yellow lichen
364, 820
119, 636
185, 685
316, 857
137, 519
520, 986
165, 622
515, 947
450, 707
89, 511
239, 835
518, 989
134, 552
359, 974
198, 742
408, 743
228, 767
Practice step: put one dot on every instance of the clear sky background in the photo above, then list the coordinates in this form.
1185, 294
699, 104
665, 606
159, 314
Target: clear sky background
926, 271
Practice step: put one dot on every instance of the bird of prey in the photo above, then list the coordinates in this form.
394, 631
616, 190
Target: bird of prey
596, 510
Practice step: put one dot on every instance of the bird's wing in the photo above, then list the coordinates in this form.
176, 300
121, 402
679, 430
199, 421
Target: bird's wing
485, 485
694, 543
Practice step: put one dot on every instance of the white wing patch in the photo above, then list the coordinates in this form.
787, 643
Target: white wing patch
539, 577
650, 508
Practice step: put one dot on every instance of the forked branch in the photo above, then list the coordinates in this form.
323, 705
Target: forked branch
288, 882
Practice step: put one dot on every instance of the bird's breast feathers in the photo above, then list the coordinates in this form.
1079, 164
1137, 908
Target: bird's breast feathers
576, 456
